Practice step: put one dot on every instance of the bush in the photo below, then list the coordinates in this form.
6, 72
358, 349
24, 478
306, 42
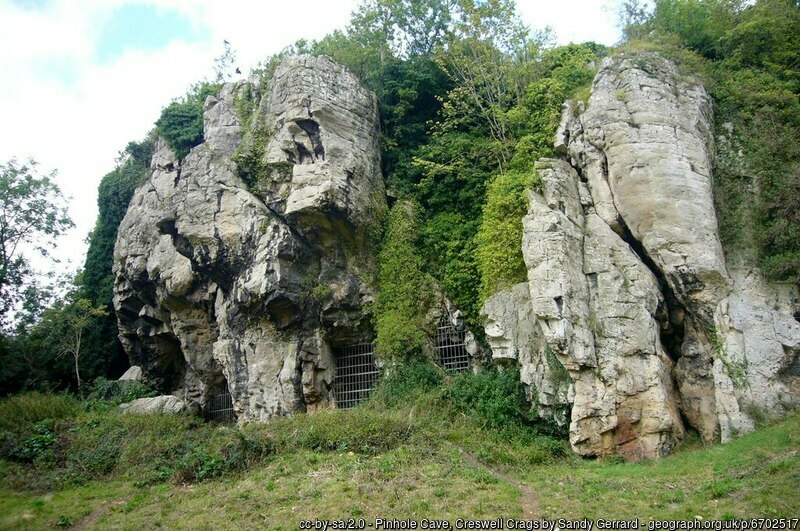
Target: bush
181, 122
36, 447
22, 411
495, 397
117, 392
402, 382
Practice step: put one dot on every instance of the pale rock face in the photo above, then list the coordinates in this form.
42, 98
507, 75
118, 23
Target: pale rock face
133, 374
163, 404
646, 145
326, 129
596, 305
628, 283
515, 337
215, 284
757, 356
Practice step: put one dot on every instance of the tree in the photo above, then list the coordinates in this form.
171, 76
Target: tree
402, 28
76, 317
103, 354
486, 57
32, 214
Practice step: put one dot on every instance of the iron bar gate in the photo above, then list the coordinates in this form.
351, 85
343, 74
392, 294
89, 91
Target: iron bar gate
220, 407
451, 351
356, 374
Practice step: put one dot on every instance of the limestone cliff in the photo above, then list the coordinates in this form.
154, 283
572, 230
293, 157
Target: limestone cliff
628, 284
253, 283
247, 262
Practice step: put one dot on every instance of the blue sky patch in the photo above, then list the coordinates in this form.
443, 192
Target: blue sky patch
142, 27
29, 5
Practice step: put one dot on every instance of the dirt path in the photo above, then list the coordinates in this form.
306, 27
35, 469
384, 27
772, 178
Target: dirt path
528, 500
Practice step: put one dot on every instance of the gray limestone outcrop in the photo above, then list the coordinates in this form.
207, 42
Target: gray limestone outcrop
246, 262
627, 280
132, 374
163, 404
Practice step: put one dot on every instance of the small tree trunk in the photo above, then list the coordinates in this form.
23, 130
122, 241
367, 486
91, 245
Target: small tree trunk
77, 355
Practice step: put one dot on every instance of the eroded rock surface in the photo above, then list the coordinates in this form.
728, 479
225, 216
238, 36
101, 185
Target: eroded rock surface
596, 303
219, 281
163, 404
628, 283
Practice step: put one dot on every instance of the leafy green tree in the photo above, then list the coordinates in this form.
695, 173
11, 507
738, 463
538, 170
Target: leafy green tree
484, 58
33, 214
700, 24
28, 359
224, 64
403, 28
633, 17
102, 353
77, 316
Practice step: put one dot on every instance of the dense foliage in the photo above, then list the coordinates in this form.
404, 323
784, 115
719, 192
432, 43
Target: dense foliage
181, 122
51, 442
34, 355
469, 100
405, 293
748, 54
469, 96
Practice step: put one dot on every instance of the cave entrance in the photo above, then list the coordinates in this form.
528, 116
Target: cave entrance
356, 374
450, 348
220, 407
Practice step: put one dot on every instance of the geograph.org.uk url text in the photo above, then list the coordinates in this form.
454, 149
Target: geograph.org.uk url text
559, 524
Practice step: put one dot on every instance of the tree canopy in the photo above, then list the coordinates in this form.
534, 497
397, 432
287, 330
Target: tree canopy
33, 213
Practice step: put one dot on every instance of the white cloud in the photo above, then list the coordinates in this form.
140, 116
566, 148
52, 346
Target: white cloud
70, 113
573, 20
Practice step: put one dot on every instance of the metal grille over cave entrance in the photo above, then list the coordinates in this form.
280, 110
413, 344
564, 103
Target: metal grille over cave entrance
220, 407
356, 374
451, 352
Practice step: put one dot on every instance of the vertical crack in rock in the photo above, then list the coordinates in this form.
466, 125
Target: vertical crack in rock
670, 314
647, 167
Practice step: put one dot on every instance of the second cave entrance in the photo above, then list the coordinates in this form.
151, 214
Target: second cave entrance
356, 374
450, 346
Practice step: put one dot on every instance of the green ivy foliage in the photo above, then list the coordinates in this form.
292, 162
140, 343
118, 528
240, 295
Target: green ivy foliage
103, 354
405, 293
181, 122
113, 195
499, 238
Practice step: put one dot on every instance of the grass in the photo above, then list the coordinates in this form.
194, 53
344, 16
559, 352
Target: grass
755, 475
22, 410
418, 458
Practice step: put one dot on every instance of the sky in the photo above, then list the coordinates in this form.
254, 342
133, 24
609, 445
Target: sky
82, 78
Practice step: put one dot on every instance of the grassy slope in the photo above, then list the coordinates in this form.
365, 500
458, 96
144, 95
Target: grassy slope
466, 472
